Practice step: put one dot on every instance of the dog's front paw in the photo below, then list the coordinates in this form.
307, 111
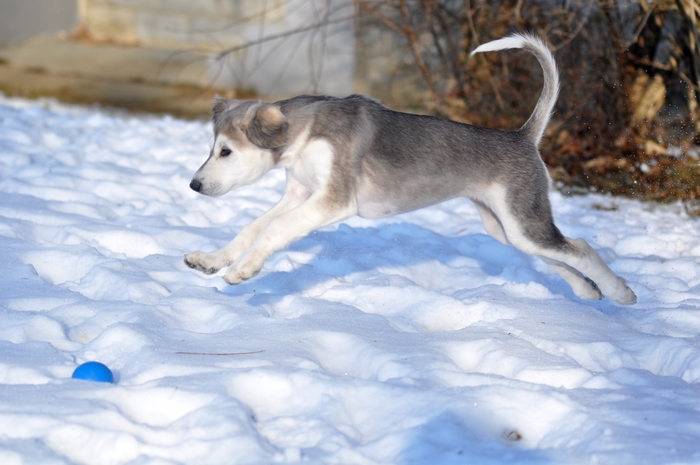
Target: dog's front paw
207, 263
246, 268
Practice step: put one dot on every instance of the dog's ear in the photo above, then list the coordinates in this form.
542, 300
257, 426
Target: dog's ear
221, 104
268, 127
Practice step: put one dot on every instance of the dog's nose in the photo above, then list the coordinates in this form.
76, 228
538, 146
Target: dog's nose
195, 185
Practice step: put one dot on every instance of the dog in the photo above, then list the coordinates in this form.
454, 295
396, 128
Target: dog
353, 156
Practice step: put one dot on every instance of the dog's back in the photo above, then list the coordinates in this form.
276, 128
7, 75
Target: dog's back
403, 161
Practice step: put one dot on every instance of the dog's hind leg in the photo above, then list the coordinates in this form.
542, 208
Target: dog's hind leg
209, 263
582, 286
533, 231
492, 224
582, 257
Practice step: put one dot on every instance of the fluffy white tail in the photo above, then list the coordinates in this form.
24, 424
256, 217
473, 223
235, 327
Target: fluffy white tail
534, 127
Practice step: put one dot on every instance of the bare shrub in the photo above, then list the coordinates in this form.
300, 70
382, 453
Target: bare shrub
627, 118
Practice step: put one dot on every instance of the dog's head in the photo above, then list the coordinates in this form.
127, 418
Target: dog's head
248, 139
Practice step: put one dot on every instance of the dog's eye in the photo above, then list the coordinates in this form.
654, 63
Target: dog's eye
225, 152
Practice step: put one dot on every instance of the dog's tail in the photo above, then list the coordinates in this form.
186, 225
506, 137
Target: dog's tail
534, 127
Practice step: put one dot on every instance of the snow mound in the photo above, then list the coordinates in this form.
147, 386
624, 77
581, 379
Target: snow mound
414, 339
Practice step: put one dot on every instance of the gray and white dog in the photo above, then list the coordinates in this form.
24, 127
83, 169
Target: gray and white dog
353, 156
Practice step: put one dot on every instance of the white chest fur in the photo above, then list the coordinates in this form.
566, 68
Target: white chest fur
309, 162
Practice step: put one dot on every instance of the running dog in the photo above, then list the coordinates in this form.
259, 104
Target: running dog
353, 156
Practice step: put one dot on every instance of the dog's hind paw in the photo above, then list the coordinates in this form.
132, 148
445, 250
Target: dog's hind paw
587, 289
623, 295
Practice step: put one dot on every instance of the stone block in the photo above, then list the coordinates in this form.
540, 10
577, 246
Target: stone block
109, 22
163, 29
148, 4
213, 8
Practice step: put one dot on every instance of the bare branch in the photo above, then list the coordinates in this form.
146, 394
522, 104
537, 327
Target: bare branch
283, 35
578, 29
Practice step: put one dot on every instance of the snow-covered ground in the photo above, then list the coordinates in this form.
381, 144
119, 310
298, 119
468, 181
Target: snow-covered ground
412, 340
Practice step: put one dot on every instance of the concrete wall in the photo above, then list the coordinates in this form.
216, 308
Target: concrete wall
317, 60
175, 23
23, 19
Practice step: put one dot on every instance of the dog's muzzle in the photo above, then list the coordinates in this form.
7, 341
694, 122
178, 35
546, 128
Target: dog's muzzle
195, 185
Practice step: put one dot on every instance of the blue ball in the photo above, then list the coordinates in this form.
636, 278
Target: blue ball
94, 371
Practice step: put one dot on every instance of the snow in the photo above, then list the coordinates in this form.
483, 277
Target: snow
414, 339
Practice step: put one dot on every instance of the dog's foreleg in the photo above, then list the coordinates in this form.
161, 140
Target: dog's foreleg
313, 214
209, 263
